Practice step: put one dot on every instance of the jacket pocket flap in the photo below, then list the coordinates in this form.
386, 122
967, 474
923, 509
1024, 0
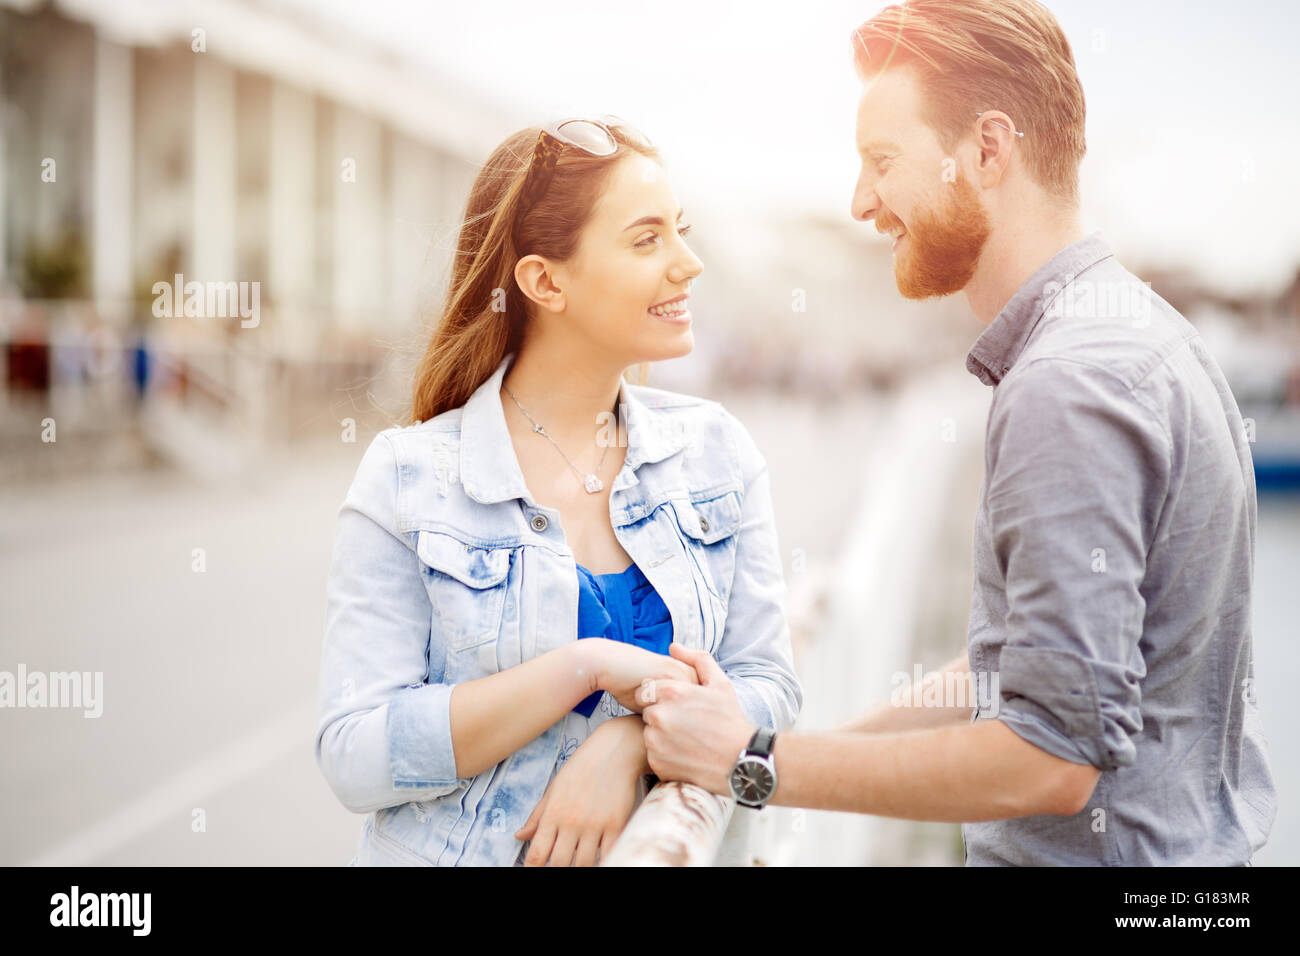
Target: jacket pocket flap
472, 566
711, 520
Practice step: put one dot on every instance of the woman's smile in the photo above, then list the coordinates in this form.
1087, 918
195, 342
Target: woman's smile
674, 311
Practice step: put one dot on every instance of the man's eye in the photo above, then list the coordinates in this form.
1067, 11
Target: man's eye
655, 238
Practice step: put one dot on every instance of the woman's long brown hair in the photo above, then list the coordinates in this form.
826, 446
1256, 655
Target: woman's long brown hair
485, 313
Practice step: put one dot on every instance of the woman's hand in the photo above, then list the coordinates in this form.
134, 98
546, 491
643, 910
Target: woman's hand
621, 669
591, 798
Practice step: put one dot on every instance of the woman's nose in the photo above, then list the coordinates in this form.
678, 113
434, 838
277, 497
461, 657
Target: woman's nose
692, 266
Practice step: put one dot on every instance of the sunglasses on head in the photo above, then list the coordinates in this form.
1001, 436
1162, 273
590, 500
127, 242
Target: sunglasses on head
594, 137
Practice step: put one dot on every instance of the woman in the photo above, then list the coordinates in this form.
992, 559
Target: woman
539, 497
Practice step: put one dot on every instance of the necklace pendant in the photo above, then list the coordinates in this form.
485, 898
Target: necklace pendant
593, 484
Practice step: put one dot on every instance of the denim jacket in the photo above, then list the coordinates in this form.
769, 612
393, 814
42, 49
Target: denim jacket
446, 570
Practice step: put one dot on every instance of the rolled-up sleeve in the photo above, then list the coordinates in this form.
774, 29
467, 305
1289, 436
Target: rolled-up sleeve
384, 730
755, 651
1076, 475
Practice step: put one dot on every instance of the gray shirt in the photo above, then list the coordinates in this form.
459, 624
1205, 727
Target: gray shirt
1113, 560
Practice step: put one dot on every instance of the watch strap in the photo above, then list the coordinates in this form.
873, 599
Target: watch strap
761, 743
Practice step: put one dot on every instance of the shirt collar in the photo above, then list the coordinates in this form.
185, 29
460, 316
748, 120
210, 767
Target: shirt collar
490, 470
996, 350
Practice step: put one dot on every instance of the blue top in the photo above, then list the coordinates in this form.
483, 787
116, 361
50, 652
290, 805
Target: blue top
623, 606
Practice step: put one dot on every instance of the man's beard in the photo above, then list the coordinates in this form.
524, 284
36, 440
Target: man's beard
943, 247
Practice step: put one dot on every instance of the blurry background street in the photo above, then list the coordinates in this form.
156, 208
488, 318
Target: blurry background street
141, 140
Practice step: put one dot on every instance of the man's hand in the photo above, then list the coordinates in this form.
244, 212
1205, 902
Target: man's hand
694, 733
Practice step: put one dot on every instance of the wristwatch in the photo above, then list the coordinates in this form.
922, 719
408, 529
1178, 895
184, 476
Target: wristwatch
753, 778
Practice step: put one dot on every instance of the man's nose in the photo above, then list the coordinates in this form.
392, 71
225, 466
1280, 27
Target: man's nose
864, 205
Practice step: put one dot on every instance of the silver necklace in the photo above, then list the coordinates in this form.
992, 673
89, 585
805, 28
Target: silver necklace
591, 482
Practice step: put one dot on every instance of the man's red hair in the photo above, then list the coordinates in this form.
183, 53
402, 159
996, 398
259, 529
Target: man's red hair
970, 55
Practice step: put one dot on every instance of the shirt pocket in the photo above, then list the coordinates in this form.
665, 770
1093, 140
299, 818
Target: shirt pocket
468, 588
708, 528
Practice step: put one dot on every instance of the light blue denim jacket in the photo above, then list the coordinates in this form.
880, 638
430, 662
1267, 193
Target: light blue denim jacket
446, 570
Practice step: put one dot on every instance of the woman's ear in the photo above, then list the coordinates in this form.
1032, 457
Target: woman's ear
534, 277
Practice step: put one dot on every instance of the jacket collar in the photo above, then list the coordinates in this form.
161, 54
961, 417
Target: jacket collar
996, 350
490, 470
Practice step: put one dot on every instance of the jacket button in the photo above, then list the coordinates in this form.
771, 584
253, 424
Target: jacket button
704, 524
539, 522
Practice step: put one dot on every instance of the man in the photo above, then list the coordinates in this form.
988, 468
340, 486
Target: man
1115, 533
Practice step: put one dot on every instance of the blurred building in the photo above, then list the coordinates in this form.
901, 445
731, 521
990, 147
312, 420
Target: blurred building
227, 142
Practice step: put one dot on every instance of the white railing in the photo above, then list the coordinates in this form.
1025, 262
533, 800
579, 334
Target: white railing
677, 824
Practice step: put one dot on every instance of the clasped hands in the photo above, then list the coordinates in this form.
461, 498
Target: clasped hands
691, 727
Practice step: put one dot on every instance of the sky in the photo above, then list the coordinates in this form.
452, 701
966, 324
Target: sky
1193, 128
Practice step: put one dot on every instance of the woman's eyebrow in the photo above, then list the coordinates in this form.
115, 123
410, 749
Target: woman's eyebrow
649, 221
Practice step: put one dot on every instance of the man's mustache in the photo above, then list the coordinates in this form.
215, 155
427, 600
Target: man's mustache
887, 222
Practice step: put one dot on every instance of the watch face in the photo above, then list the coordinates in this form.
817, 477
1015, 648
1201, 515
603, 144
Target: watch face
752, 781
